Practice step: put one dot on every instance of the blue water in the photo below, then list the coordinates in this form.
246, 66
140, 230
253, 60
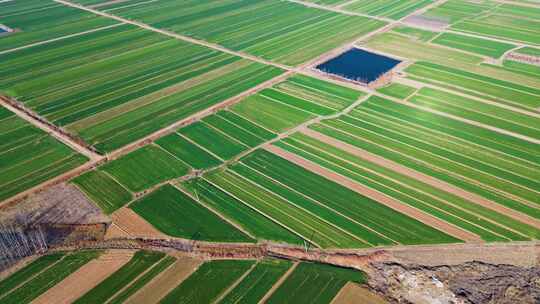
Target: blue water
359, 65
2, 30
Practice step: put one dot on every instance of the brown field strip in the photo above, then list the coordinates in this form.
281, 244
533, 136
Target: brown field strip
134, 225
377, 196
354, 293
86, 278
166, 281
383, 162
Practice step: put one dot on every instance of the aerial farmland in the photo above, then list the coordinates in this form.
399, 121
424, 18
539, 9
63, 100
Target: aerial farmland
269, 151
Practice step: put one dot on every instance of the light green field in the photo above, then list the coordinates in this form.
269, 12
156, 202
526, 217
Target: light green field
145, 167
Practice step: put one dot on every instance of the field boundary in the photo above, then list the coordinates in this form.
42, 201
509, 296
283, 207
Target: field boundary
407, 210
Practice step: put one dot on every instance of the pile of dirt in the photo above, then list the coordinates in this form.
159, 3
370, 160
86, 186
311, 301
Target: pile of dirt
470, 283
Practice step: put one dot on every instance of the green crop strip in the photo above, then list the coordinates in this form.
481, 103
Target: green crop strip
178, 215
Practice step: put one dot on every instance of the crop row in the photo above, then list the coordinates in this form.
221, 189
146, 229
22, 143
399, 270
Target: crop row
488, 224
346, 209
258, 225
489, 88
286, 32
314, 284
456, 10
42, 274
507, 21
477, 45
256, 119
119, 84
37, 21
179, 215
29, 156
295, 101
209, 281
499, 167
387, 8
481, 112
123, 277
414, 45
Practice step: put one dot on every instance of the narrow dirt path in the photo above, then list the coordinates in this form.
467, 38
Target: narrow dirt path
86, 278
383, 162
379, 197
49, 129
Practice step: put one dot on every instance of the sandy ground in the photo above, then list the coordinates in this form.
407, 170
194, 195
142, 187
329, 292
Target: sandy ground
517, 254
86, 278
131, 223
166, 281
379, 197
422, 177
114, 232
354, 293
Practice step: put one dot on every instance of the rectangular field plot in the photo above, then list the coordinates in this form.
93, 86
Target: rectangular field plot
44, 280
456, 10
281, 31
145, 167
242, 214
215, 141
481, 112
139, 263
506, 21
397, 90
414, 49
300, 221
107, 193
176, 214
207, 283
187, 151
476, 45
29, 156
387, 8
479, 220
353, 213
477, 85
295, 101
314, 283
501, 168
37, 21
117, 85
418, 34
258, 282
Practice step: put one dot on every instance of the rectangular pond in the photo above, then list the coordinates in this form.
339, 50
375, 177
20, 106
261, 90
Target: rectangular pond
358, 65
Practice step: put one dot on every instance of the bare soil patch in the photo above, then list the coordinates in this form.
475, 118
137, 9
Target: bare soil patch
59, 204
86, 278
377, 196
160, 286
135, 226
114, 232
422, 177
353, 293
